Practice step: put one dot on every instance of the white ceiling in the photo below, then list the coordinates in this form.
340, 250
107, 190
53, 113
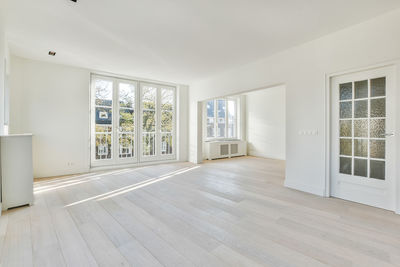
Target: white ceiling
174, 40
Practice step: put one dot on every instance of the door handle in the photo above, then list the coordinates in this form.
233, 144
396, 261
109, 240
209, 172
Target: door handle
387, 134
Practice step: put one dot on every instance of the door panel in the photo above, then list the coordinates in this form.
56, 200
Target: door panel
126, 120
113, 121
157, 122
362, 160
103, 119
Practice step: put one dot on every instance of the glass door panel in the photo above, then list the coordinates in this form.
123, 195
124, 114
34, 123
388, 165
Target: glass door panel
126, 124
103, 102
167, 120
113, 121
149, 119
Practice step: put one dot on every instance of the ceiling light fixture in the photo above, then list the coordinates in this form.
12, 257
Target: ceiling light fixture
52, 53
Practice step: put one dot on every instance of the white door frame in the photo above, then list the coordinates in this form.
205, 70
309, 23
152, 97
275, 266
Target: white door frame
328, 109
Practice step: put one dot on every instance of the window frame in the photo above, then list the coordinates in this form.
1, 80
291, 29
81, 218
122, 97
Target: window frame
137, 131
236, 119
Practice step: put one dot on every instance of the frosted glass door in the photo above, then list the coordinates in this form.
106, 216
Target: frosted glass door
362, 136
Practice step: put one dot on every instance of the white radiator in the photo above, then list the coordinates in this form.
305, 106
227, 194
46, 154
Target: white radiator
225, 149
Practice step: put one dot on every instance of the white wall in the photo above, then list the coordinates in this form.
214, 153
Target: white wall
2, 78
3, 53
303, 70
265, 123
52, 102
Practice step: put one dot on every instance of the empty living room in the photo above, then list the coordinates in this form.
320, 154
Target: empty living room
199, 133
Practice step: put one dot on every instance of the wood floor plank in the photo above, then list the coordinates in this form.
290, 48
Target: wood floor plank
17, 250
160, 249
231, 212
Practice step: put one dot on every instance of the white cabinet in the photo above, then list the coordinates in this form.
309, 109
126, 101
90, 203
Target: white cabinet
16, 170
225, 149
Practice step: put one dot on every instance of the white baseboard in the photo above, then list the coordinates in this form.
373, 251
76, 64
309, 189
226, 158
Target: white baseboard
315, 190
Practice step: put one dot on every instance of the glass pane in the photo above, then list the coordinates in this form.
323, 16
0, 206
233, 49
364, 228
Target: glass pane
126, 145
103, 128
231, 110
378, 87
126, 120
361, 109
210, 127
377, 149
149, 144
103, 146
345, 110
126, 95
103, 93
345, 147
167, 99
378, 107
210, 118
377, 128
232, 130
221, 129
103, 116
346, 91
361, 89
360, 167
166, 121
149, 97
345, 128
360, 148
360, 128
377, 169
210, 109
149, 121
231, 119
166, 144
221, 109
345, 165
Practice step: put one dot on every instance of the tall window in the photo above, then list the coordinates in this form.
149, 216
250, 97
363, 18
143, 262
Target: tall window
103, 118
118, 107
221, 118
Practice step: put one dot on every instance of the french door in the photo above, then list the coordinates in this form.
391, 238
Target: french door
362, 137
131, 121
157, 122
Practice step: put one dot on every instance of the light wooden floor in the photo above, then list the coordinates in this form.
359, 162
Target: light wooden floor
222, 213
